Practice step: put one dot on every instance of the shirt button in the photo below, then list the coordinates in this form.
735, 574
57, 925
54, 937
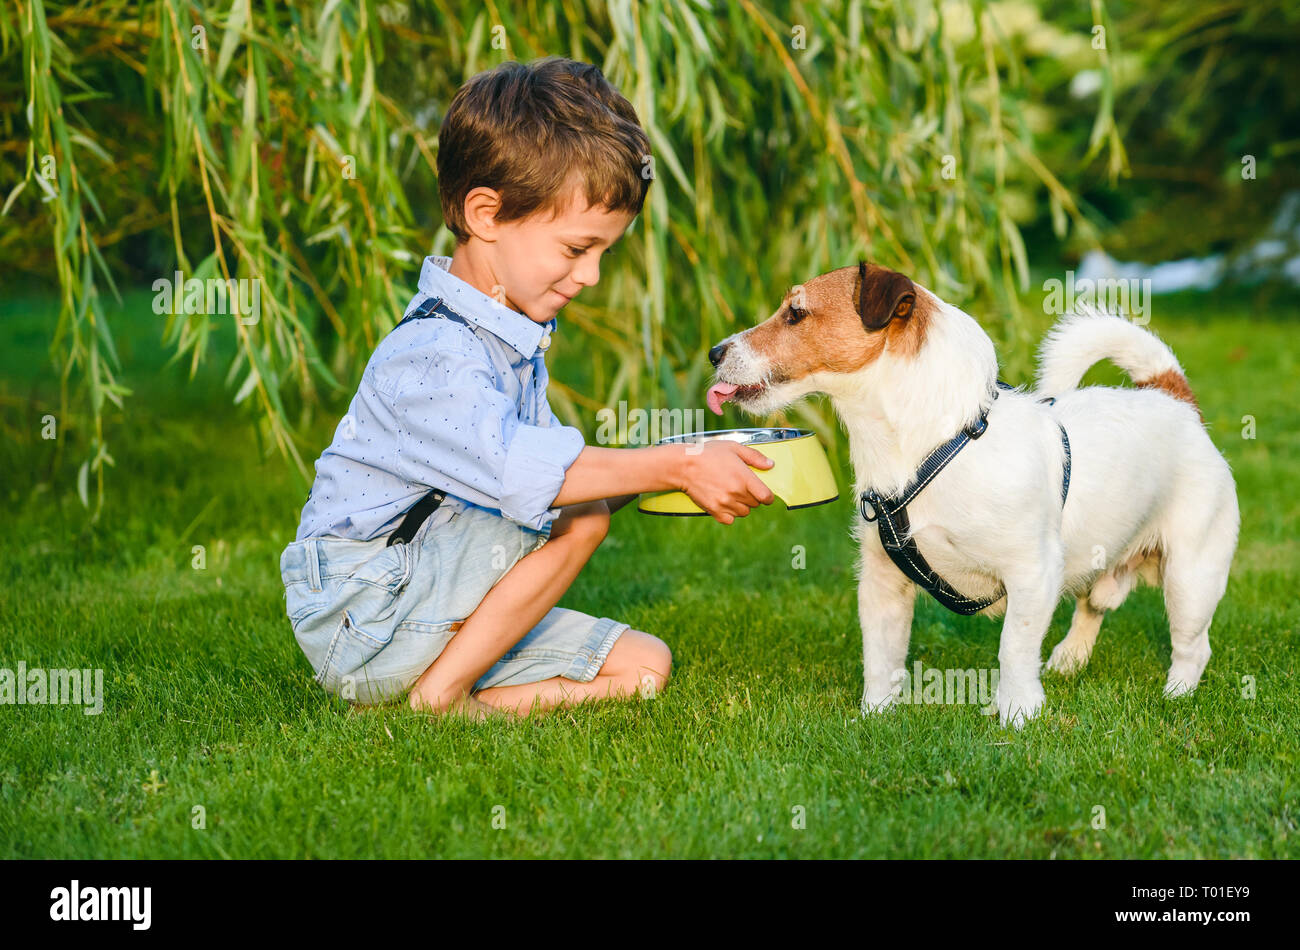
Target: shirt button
544, 342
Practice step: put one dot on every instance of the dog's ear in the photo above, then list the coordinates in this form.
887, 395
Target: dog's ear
883, 295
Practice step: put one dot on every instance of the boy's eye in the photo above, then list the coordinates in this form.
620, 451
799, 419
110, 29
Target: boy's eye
579, 251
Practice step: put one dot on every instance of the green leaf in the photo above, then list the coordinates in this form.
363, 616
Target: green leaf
83, 489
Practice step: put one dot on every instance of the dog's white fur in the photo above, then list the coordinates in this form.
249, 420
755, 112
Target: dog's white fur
1149, 496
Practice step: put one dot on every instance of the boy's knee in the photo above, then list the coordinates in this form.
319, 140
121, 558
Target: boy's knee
661, 659
648, 661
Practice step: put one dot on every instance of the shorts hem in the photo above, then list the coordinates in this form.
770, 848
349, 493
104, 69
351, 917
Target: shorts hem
586, 665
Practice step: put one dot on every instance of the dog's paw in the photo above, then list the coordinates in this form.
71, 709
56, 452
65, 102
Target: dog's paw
1186, 669
874, 705
1067, 659
1016, 709
1176, 687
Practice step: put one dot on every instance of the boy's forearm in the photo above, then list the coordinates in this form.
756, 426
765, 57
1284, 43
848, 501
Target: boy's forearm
600, 472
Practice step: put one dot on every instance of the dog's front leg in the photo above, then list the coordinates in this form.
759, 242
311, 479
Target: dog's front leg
1031, 600
885, 600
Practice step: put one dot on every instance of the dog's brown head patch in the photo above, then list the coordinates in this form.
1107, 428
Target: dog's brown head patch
883, 295
842, 321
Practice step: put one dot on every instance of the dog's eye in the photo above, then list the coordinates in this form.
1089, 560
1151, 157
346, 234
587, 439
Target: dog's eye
795, 315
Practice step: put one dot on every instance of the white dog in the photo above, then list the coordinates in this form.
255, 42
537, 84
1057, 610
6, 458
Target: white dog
1148, 494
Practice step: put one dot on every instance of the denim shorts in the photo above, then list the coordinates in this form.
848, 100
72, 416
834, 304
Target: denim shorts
372, 618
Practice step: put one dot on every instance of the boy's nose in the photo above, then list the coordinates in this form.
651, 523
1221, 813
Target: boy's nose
587, 272
716, 354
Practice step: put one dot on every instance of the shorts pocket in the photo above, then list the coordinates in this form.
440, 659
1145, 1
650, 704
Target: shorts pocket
388, 570
300, 602
397, 667
351, 648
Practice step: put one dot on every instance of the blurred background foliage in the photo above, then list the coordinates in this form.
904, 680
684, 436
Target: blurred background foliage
295, 143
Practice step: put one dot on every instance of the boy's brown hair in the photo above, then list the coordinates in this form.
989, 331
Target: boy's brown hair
523, 130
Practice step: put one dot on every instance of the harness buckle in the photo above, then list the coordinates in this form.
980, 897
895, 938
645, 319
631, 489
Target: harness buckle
869, 499
977, 428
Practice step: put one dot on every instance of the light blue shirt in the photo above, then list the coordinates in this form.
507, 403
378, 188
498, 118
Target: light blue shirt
454, 401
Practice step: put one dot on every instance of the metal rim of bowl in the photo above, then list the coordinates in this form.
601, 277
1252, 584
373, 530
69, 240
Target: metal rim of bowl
755, 436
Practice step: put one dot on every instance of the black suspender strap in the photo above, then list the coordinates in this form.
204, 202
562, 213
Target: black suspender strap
427, 308
890, 515
415, 517
430, 502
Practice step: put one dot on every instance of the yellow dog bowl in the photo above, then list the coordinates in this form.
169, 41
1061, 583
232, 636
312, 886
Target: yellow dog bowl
801, 477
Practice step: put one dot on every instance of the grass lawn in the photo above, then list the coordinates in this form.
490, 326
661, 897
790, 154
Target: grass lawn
752, 750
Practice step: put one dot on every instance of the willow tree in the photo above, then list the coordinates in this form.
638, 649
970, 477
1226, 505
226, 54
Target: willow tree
294, 145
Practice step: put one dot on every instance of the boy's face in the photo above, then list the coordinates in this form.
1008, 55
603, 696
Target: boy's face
542, 262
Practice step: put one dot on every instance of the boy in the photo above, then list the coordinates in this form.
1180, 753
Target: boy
452, 510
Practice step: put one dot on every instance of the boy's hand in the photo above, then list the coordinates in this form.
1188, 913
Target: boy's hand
718, 479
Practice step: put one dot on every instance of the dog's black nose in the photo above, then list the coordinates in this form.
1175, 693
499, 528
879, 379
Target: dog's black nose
716, 354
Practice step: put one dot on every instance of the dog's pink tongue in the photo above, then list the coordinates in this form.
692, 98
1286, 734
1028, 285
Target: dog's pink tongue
718, 394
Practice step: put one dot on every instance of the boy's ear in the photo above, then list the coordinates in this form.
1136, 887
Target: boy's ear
883, 295
481, 207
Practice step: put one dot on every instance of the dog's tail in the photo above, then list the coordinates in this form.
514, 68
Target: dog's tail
1081, 339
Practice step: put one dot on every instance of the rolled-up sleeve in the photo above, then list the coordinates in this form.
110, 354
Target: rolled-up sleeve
457, 432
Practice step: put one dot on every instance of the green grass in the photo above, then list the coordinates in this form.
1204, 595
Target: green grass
206, 688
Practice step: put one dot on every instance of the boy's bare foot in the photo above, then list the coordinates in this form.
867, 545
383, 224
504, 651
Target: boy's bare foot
473, 709
478, 711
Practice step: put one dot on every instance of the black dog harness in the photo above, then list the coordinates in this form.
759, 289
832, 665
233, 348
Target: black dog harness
890, 515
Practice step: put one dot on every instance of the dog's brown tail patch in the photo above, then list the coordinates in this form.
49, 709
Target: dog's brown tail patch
1175, 384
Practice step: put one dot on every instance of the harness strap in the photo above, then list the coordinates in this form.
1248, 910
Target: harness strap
1065, 478
890, 515
429, 503
1065, 441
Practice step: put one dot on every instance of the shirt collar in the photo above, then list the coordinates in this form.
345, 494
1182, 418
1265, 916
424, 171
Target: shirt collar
519, 331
